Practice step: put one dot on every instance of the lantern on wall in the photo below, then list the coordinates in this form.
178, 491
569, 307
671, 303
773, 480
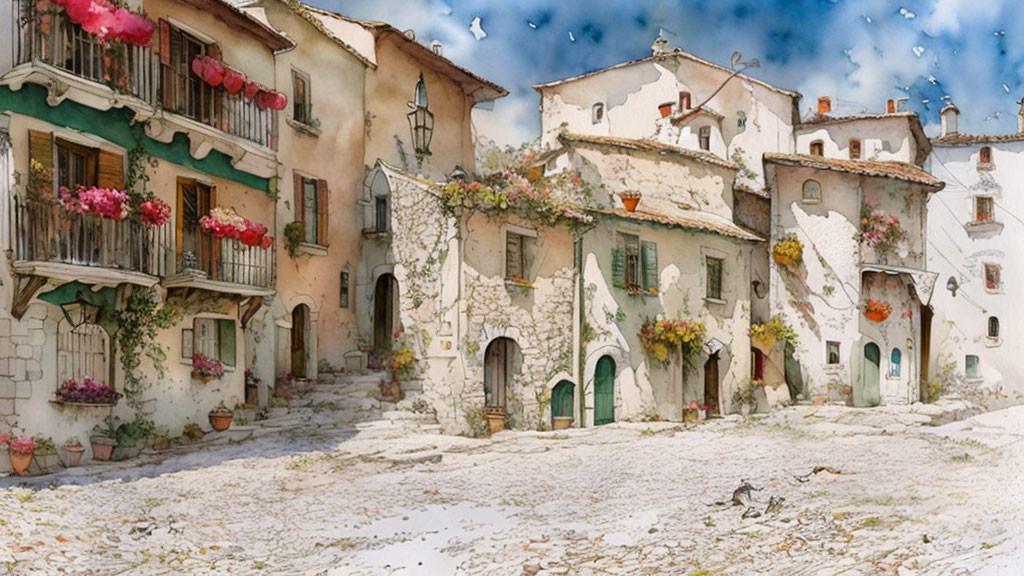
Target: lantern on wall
79, 312
421, 121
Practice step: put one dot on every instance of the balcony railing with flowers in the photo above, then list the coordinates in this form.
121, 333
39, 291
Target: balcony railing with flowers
46, 231
233, 262
45, 33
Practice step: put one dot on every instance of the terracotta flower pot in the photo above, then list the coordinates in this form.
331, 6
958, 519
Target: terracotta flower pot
630, 202
73, 455
221, 421
204, 379
562, 422
665, 109
20, 461
102, 448
875, 315
496, 421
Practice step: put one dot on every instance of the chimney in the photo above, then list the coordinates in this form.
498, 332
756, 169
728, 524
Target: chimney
949, 116
1020, 117
660, 46
435, 45
824, 105
890, 106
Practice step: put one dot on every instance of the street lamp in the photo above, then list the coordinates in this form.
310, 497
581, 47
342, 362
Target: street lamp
79, 312
421, 121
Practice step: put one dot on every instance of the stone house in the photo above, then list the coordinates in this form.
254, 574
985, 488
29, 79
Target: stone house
972, 225
862, 225
135, 119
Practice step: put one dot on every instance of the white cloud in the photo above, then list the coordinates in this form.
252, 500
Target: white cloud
477, 29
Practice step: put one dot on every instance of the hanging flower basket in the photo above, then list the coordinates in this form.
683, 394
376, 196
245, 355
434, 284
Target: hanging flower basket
226, 223
106, 21
877, 311
630, 200
221, 417
662, 338
788, 252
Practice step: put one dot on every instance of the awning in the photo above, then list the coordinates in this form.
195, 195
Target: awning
924, 281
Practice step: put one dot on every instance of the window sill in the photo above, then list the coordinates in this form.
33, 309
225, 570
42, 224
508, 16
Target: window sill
986, 166
639, 292
518, 283
993, 342
377, 235
998, 290
303, 127
979, 227
718, 301
188, 362
306, 249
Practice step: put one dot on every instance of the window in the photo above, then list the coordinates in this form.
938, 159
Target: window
380, 213
76, 165
343, 294
983, 208
854, 148
832, 352
82, 353
811, 192
971, 363
626, 262
714, 277
214, 338
993, 327
55, 162
992, 279
181, 90
302, 106
684, 101
597, 113
757, 365
705, 137
985, 155
195, 250
894, 363
311, 208
817, 148
741, 122
515, 256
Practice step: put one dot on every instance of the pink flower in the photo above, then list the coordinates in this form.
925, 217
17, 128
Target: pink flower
155, 212
23, 445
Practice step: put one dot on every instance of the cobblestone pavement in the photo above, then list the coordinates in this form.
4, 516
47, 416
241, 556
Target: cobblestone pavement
832, 491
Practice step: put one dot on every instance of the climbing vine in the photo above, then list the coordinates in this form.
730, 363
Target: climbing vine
138, 324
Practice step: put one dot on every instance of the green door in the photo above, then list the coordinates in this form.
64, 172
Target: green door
604, 391
870, 391
562, 399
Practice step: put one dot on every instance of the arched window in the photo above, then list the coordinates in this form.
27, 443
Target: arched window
894, 363
597, 113
817, 148
993, 327
811, 191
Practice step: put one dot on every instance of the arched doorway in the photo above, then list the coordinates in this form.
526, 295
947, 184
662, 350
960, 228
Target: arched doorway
711, 383
300, 338
499, 368
869, 391
385, 305
604, 391
562, 398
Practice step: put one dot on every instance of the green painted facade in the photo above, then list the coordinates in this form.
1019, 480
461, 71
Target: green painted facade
116, 126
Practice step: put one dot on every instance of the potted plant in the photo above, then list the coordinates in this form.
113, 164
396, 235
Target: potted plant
877, 311
20, 451
789, 251
665, 109
193, 432
45, 455
766, 335
561, 422
5, 461
278, 406
692, 413
103, 440
630, 199
702, 412
745, 398
132, 437
221, 417
497, 418
205, 368
88, 391
73, 451
662, 338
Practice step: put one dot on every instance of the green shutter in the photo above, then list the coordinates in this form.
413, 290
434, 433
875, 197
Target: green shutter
226, 337
618, 268
649, 255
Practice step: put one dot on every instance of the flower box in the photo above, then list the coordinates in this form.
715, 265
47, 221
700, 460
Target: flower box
88, 392
205, 368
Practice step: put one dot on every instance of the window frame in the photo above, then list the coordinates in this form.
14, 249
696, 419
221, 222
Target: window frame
719, 283
829, 346
343, 288
305, 104
218, 344
90, 164
972, 372
895, 363
513, 237
704, 138
986, 267
380, 214
855, 147
312, 228
985, 155
994, 328
597, 113
817, 148
804, 199
978, 201
631, 255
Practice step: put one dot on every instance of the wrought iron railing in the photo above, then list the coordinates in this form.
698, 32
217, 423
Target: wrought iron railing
231, 261
49, 36
44, 231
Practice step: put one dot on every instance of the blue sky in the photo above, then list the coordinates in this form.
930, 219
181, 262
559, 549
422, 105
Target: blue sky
859, 52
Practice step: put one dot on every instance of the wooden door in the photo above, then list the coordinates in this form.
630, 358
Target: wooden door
496, 372
300, 318
711, 383
604, 391
384, 296
195, 201
869, 392
562, 397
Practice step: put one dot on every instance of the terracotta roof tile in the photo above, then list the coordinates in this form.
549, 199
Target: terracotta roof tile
895, 170
688, 219
966, 139
647, 146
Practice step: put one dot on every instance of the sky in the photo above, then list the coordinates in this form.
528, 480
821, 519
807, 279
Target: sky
858, 52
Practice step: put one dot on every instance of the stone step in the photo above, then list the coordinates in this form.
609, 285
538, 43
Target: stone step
404, 416
430, 428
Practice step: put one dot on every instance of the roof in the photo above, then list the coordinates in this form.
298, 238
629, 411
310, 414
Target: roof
923, 144
319, 20
681, 117
968, 139
894, 170
647, 146
694, 220
748, 190
677, 53
244, 21
328, 22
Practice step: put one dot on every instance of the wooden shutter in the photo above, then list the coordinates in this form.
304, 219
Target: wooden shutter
165, 42
649, 255
618, 268
297, 184
514, 256
322, 212
40, 149
226, 341
111, 170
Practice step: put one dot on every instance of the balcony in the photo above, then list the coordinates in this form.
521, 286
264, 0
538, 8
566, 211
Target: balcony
49, 49
52, 242
224, 265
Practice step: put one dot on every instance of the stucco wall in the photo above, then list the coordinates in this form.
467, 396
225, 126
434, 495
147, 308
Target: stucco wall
882, 139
